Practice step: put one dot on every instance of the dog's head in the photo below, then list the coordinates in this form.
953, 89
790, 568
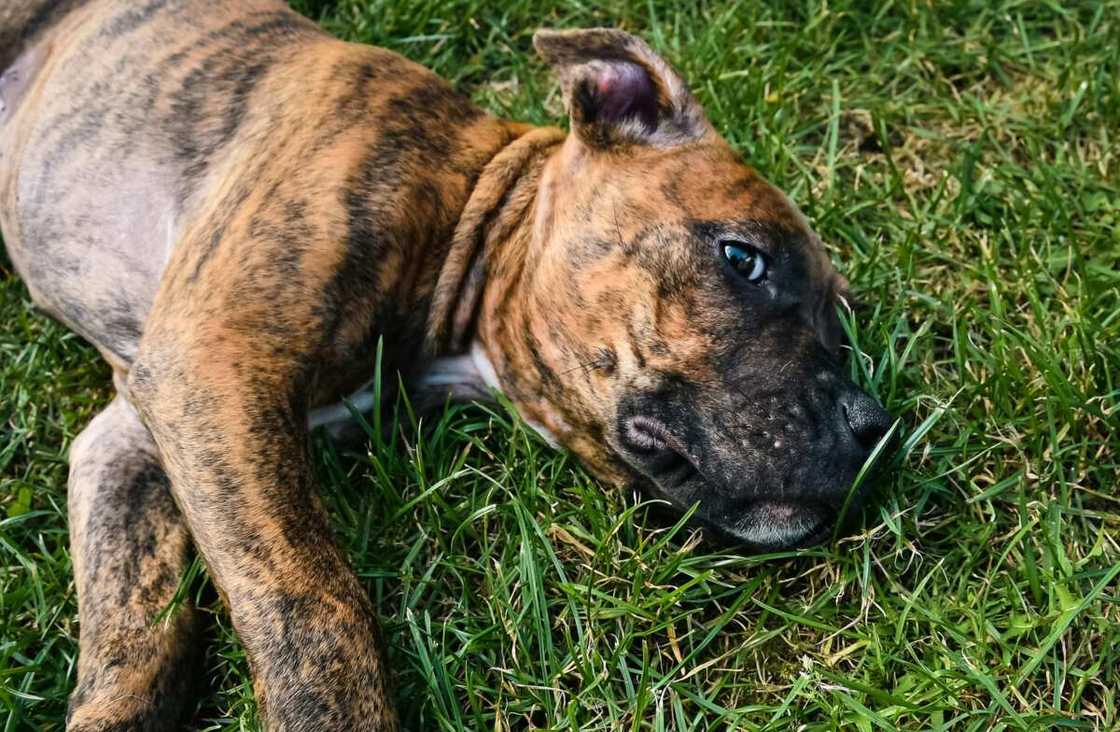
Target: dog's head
673, 322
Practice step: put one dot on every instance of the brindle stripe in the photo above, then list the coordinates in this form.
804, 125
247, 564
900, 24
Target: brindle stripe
132, 19
211, 101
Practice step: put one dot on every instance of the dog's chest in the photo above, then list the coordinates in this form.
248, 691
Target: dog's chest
462, 378
468, 377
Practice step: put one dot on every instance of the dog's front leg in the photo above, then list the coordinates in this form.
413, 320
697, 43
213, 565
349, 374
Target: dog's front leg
226, 409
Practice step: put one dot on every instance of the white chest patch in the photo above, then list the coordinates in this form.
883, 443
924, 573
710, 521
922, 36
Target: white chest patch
469, 377
336, 417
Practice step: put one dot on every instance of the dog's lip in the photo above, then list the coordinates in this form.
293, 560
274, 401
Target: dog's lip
769, 525
653, 451
646, 434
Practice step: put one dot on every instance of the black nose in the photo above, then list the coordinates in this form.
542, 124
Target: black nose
867, 420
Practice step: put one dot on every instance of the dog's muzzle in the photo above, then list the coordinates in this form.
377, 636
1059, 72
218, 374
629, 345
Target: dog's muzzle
774, 482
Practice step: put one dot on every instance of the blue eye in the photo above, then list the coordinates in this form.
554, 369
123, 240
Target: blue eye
744, 259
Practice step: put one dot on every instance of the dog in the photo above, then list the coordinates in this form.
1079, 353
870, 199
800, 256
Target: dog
235, 208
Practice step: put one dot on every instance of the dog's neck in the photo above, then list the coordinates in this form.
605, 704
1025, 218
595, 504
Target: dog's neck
491, 238
486, 256
487, 262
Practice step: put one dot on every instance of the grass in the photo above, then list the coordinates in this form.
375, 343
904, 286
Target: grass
961, 160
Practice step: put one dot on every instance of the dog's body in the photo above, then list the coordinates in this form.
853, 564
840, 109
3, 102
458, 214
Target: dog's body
235, 207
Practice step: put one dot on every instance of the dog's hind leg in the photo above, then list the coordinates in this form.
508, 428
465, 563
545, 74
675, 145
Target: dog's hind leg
129, 547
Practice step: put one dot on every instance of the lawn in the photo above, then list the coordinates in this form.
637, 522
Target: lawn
961, 161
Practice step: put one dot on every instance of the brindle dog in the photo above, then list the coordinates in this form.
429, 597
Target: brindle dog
235, 207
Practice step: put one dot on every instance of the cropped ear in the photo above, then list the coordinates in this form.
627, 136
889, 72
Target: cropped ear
618, 91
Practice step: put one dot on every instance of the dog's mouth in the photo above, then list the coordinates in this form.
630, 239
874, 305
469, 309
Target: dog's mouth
759, 524
772, 525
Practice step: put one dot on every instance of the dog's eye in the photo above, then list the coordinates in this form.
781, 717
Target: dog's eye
745, 259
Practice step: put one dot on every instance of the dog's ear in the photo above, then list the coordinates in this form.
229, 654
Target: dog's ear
618, 91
